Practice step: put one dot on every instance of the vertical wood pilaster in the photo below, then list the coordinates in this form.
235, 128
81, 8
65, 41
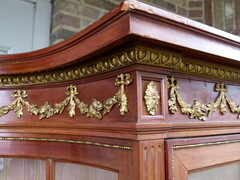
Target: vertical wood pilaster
149, 160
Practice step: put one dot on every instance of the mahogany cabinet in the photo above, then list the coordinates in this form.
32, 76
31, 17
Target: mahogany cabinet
141, 94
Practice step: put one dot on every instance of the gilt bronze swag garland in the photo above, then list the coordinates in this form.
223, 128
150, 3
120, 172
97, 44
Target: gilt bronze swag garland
200, 110
96, 110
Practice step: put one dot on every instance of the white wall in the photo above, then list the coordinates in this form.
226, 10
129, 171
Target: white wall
24, 25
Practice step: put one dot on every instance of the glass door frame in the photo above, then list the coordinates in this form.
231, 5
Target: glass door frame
189, 155
64, 149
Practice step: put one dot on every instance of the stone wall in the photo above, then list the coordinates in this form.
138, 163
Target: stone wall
70, 16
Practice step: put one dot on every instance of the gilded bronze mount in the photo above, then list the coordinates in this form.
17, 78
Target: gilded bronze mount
124, 58
152, 98
200, 110
96, 109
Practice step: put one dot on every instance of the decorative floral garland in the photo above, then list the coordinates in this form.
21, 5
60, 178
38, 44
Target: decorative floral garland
200, 110
97, 109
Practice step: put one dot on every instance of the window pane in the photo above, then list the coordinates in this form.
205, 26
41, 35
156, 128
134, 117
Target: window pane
22, 169
230, 171
67, 171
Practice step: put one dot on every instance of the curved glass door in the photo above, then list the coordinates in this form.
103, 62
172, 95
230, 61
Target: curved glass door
230, 171
69, 171
207, 158
22, 169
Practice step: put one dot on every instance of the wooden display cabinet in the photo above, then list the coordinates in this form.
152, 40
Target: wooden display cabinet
141, 94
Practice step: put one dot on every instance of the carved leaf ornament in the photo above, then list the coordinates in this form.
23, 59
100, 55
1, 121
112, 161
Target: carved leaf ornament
200, 110
96, 109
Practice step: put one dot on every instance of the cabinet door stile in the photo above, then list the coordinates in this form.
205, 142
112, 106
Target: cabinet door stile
50, 169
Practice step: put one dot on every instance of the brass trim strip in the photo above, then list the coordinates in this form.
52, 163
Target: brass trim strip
114, 146
205, 144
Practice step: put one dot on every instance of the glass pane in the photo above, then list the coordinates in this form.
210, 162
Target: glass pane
22, 169
67, 171
230, 171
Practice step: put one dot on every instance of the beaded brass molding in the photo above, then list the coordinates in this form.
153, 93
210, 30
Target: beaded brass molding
151, 98
200, 110
127, 57
115, 146
97, 109
205, 144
